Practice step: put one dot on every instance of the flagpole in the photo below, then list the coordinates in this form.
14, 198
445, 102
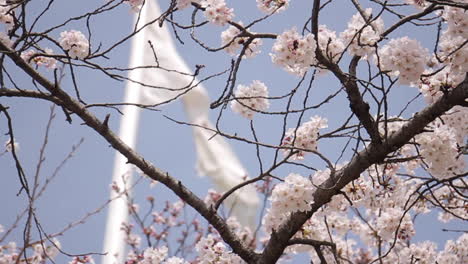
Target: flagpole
114, 239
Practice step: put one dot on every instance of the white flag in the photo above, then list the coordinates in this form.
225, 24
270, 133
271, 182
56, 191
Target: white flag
215, 158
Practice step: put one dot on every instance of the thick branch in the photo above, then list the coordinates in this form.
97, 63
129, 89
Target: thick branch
374, 153
134, 158
357, 104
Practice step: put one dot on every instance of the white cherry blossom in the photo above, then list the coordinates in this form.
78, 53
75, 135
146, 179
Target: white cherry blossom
75, 43
249, 99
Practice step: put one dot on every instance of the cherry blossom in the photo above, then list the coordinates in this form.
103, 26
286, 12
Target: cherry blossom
212, 197
153, 255
362, 34
454, 52
80, 260
441, 155
217, 12
435, 83
455, 251
269, 6
293, 52
448, 197
292, 195
304, 137
331, 46
249, 99
389, 220
405, 58
456, 19
231, 35
75, 43
417, 3
6, 17
175, 260
48, 62
212, 251
457, 119
4, 38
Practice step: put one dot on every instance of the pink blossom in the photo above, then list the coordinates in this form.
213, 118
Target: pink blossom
217, 12
293, 52
75, 43
249, 99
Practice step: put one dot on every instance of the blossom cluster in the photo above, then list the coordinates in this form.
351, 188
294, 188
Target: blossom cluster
293, 52
455, 251
161, 226
220, 14
437, 147
304, 138
384, 196
250, 99
159, 256
48, 62
75, 43
386, 222
269, 6
41, 252
5, 39
405, 58
390, 219
456, 19
131, 238
231, 36
82, 260
212, 251
449, 197
433, 85
7, 19
331, 46
457, 119
217, 12
9, 253
417, 3
243, 232
212, 197
423, 252
441, 155
362, 34
292, 195
6, 16
453, 50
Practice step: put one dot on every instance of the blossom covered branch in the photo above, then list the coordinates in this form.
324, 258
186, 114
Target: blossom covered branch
344, 173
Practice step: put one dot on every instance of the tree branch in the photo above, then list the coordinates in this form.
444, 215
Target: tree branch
357, 104
374, 153
134, 158
29, 94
